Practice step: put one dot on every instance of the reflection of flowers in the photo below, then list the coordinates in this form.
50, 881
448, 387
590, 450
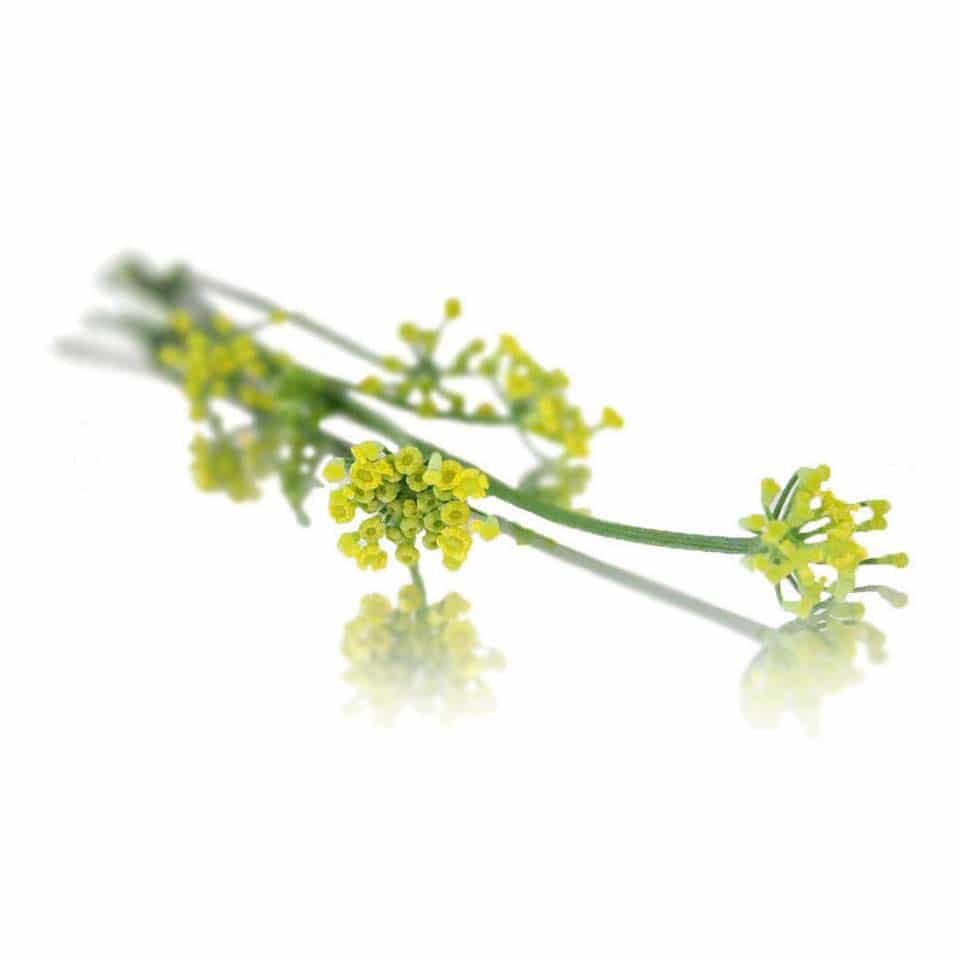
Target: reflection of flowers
558, 481
805, 660
424, 656
228, 463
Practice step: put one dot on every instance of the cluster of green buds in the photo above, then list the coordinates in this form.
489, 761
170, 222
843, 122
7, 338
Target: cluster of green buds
419, 655
407, 499
807, 540
804, 661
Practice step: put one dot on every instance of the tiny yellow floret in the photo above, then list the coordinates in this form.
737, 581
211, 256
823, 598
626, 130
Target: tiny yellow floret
335, 470
455, 513
611, 419
487, 529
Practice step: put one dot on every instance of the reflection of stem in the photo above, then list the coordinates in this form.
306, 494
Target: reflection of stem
418, 583
524, 536
632, 581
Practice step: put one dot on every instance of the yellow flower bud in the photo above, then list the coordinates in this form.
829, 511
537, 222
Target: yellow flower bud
370, 450
611, 418
408, 554
455, 514
335, 470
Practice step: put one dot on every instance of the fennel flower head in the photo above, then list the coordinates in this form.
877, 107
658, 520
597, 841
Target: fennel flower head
807, 543
410, 502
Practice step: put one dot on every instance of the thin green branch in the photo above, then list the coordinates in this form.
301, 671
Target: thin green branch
784, 497
525, 537
336, 393
315, 327
295, 318
473, 418
364, 416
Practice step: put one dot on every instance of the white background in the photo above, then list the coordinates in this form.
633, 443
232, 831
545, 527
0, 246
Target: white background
736, 222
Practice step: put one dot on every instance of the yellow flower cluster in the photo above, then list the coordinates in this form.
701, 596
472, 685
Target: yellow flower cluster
538, 400
407, 499
425, 656
231, 464
216, 362
807, 538
536, 397
801, 663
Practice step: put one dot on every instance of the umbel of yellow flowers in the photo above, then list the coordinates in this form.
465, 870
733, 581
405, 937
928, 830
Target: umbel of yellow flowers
407, 500
538, 399
535, 396
807, 540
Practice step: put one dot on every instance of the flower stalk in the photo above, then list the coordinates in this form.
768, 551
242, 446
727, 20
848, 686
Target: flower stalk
421, 496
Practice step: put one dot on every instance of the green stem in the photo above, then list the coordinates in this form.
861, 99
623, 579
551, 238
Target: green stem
525, 537
336, 393
569, 518
257, 302
490, 421
347, 387
785, 494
